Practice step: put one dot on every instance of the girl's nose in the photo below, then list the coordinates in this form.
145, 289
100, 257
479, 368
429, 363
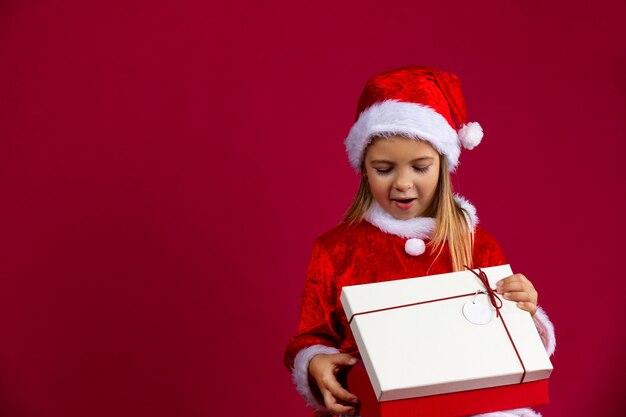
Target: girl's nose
402, 183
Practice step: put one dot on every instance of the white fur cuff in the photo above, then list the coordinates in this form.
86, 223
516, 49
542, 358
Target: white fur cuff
301, 372
546, 330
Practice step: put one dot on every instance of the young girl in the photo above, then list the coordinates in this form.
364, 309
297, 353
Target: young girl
405, 222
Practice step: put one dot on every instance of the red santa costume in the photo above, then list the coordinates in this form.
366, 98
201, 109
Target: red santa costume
416, 102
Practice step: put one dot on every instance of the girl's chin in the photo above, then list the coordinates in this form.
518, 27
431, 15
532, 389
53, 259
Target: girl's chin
404, 215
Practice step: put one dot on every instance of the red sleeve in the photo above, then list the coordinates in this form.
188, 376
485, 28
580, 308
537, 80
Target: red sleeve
318, 324
487, 252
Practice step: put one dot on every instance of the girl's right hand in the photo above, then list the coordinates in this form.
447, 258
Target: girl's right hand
323, 369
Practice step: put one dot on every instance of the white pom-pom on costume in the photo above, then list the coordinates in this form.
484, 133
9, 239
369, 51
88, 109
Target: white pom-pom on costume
470, 135
415, 247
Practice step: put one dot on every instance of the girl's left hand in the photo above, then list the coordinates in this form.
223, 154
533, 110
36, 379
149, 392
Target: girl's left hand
518, 288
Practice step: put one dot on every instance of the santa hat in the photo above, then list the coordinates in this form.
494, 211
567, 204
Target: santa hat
416, 102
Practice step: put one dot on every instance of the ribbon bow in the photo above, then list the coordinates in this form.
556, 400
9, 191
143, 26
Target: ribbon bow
496, 302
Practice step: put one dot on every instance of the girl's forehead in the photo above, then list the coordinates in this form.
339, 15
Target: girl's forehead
400, 147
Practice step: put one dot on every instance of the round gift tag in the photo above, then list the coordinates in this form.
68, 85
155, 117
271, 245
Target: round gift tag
476, 312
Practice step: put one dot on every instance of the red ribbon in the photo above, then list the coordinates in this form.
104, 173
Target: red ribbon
496, 302
493, 298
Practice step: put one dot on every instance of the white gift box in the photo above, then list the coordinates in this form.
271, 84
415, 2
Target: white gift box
416, 341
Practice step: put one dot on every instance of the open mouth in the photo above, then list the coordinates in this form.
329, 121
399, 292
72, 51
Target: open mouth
404, 203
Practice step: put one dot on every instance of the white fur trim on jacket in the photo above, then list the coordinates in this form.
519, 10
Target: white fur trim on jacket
413, 120
518, 412
471, 216
546, 330
417, 227
301, 372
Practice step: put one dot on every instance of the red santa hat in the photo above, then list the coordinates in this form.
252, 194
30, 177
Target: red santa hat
417, 102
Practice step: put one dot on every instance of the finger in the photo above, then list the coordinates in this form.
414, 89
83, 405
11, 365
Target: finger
531, 295
527, 306
521, 277
339, 409
513, 278
511, 286
526, 281
506, 281
344, 359
338, 391
518, 296
332, 404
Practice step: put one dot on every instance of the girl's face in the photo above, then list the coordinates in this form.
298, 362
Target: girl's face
402, 175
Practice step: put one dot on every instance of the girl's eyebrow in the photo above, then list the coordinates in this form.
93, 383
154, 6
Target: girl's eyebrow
423, 158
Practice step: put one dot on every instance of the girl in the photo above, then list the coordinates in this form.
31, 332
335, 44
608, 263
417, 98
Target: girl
405, 221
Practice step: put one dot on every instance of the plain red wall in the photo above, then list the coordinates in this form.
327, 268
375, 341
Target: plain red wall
165, 167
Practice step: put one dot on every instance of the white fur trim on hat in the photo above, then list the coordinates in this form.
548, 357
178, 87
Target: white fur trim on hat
301, 372
413, 120
546, 330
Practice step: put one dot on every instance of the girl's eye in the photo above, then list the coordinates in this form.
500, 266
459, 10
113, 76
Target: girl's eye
421, 169
383, 171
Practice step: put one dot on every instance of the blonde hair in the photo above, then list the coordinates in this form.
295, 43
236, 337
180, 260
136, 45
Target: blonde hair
451, 220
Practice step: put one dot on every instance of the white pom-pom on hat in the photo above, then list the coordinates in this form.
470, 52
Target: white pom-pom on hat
415, 247
470, 135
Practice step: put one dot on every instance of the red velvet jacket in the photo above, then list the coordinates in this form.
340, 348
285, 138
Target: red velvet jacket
361, 254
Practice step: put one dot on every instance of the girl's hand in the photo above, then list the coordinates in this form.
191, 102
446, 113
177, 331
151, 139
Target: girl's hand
323, 369
518, 288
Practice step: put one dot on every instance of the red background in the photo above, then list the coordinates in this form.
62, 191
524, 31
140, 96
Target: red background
165, 167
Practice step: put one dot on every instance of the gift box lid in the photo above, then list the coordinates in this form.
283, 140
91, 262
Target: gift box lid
415, 339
